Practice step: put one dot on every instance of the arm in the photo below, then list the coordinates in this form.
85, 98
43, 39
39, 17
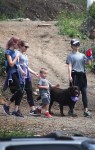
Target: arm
43, 87
89, 61
69, 63
22, 72
33, 72
70, 71
12, 62
56, 86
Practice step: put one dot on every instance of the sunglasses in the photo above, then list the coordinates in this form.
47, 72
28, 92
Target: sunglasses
26, 47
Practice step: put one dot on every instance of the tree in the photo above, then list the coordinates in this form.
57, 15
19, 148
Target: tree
89, 3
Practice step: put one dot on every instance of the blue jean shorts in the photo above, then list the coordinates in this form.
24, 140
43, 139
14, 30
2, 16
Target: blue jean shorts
45, 98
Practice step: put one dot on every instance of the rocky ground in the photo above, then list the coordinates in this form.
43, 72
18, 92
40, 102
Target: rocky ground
47, 49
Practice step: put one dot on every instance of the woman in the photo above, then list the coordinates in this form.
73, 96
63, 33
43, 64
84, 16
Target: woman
13, 79
76, 68
26, 71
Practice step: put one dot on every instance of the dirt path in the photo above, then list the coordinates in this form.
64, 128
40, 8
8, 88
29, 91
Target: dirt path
47, 49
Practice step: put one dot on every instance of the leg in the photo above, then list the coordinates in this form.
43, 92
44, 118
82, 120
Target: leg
85, 102
46, 102
61, 110
51, 103
29, 92
17, 96
39, 98
84, 97
71, 111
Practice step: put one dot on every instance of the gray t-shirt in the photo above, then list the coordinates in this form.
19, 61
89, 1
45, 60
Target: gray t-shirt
44, 82
78, 61
23, 60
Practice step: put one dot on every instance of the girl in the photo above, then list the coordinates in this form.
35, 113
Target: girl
76, 68
13, 79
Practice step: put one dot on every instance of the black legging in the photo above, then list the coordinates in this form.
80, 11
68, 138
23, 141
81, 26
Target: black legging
16, 88
80, 80
28, 89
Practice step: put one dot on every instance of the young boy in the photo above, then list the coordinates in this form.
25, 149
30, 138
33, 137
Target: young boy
44, 88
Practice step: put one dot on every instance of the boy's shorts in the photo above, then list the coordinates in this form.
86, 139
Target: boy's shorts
45, 99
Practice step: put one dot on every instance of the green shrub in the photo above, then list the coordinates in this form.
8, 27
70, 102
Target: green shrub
15, 134
92, 10
82, 3
11, 12
2, 62
69, 24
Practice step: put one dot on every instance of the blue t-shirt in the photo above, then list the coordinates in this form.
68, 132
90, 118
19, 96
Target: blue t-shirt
12, 53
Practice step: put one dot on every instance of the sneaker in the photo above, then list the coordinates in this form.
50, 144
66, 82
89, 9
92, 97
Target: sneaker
72, 114
48, 115
87, 114
38, 111
17, 113
6, 109
34, 113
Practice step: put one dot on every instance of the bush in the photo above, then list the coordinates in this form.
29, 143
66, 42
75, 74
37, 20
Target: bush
2, 62
69, 24
92, 10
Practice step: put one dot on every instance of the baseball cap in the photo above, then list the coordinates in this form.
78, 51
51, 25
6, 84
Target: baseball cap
75, 42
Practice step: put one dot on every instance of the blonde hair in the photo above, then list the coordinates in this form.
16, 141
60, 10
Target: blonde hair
43, 70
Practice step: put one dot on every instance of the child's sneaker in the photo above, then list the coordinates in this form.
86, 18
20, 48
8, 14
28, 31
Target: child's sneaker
34, 113
38, 111
48, 115
87, 114
6, 109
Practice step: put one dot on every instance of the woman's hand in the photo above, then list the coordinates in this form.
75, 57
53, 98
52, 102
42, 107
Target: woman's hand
17, 55
37, 75
23, 73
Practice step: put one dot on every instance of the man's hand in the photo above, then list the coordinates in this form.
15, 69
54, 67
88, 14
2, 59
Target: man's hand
70, 81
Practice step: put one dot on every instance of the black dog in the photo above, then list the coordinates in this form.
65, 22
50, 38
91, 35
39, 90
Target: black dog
65, 97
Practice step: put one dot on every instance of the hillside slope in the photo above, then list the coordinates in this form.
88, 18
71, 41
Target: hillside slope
47, 48
38, 9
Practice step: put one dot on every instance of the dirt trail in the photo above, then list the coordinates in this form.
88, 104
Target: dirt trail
47, 49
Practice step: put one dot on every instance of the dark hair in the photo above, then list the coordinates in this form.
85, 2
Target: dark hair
22, 43
12, 42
